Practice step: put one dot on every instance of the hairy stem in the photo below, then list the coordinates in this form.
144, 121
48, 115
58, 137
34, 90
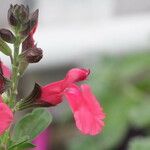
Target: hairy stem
15, 73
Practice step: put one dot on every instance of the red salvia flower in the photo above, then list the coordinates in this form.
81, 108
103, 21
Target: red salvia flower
52, 93
4, 70
6, 117
4, 75
87, 111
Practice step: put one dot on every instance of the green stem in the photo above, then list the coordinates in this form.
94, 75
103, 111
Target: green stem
15, 73
4, 140
12, 92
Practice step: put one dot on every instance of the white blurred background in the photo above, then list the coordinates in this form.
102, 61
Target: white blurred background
75, 31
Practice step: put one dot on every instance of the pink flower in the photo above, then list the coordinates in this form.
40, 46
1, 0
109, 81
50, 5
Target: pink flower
87, 111
5, 70
52, 93
6, 117
4, 73
76, 75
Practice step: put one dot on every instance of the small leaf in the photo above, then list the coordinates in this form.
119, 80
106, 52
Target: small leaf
32, 124
22, 140
25, 146
22, 146
4, 48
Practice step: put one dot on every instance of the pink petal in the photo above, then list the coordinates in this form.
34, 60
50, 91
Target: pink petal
87, 111
1, 100
77, 74
52, 93
6, 117
6, 71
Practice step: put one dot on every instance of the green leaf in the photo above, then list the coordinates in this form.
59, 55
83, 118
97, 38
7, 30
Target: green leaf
4, 48
15, 144
22, 146
139, 143
25, 146
32, 124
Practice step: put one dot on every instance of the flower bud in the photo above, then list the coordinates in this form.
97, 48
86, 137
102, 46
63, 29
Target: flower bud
11, 17
7, 35
18, 15
34, 21
32, 24
23, 13
33, 55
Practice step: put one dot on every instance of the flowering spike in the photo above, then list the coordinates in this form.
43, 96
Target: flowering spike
88, 113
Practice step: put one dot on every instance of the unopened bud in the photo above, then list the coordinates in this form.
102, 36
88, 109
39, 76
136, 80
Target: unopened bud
7, 36
23, 13
18, 15
33, 55
32, 24
34, 20
11, 17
